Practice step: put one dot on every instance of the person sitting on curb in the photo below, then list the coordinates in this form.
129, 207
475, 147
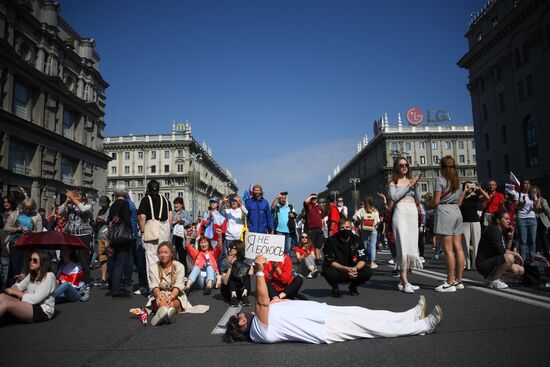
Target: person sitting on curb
281, 283
316, 323
345, 260
305, 256
205, 259
494, 259
236, 274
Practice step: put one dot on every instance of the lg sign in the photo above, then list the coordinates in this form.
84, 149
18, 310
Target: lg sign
415, 116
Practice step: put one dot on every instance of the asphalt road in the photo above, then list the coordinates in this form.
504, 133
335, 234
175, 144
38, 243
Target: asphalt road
482, 327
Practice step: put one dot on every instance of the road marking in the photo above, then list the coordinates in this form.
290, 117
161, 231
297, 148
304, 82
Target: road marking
220, 327
512, 294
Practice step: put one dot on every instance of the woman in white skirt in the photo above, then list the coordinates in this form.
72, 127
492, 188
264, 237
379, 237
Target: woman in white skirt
405, 195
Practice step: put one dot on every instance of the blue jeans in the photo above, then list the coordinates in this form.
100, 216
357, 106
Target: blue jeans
370, 245
527, 234
141, 264
117, 265
197, 278
288, 241
65, 292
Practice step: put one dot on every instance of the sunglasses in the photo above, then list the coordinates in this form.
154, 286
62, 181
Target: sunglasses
303, 236
34, 260
404, 165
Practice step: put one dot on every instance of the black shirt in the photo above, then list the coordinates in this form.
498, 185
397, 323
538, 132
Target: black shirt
469, 209
344, 253
145, 207
491, 244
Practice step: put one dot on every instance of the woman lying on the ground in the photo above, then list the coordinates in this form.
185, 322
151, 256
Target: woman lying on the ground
69, 278
31, 299
236, 274
280, 281
279, 321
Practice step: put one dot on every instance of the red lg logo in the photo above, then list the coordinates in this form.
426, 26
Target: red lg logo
415, 116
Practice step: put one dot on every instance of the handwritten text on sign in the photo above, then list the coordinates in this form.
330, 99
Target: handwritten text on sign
270, 245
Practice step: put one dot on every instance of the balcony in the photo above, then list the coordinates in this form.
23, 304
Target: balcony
21, 169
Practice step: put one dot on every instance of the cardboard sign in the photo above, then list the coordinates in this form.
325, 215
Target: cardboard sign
271, 246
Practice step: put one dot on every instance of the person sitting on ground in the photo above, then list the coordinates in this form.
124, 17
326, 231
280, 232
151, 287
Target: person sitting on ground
494, 258
236, 274
281, 283
305, 255
31, 299
205, 261
345, 260
316, 323
70, 287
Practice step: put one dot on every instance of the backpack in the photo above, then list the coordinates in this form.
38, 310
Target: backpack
531, 275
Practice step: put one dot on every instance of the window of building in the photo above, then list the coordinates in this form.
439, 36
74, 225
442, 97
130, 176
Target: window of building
126, 170
113, 155
474, 172
409, 158
140, 183
506, 164
531, 146
428, 173
68, 122
126, 156
180, 153
394, 146
473, 158
436, 173
422, 159
435, 159
113, 170
486, 140
503, 134
424, 187
153, 169
140, 169
448, 144
462, 172
140, 195
180, 168
167, 195
153, 154
21, 101
140, 155
488, 168
408, 146
460, 144
485, 112
166, 168
20, 157
180, 194
529, 82
434, 144
166, 154
473, 144
422, 145
461, 158
521, 91
501, 106
167, 182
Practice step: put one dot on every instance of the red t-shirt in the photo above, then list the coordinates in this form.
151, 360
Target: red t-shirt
280, 281
333, 217
495, 202
314, 216
302, 251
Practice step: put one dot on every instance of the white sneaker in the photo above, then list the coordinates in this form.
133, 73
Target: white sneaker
421, 308
498, 284
422, 260
171, 315
160, 316
445, 287
408, 288
434, 318
400, 287
391, 261
547, 285
458, 285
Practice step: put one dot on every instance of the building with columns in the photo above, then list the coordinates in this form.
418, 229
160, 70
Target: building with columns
181, 165
423, 146
52, 101
508, 61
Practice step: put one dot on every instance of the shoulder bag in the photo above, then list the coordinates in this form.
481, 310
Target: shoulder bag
367, 223
152, 226
119, 232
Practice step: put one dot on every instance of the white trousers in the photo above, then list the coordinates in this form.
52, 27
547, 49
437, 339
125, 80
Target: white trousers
351, 323
471, 234
150, 247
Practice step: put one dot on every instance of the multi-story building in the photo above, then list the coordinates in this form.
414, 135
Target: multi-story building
52, 101
508, 60
423, 146
182, 166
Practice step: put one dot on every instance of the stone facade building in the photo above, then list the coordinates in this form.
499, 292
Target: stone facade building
508, 60
52, 101
423, 146
182, 166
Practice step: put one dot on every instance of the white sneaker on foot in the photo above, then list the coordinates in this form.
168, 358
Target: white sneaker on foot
171, 315
414, 287
445, 287
434, 318
421, 308
391, 261
408, 288
160, 316
458, 285
498, 284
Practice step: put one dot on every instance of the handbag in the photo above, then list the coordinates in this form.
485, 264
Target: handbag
119, 232
152, 226
179, 231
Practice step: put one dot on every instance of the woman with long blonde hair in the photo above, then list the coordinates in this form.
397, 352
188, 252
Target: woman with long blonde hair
448, 223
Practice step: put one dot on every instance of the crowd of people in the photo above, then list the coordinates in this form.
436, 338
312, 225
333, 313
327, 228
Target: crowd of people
174, 255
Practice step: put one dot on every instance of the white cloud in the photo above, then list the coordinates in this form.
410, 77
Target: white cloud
300, 172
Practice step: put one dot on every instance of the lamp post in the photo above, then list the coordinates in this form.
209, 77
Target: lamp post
335, 193
194, 157
354, 193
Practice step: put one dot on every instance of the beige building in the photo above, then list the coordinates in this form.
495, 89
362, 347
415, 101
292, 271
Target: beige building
52, 101
182, 166
508, 60
423, 146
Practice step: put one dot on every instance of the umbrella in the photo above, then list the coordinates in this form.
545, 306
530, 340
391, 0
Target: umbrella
50, 240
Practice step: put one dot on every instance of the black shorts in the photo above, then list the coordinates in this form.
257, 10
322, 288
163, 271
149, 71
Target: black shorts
317, 237
38, 315
490, 265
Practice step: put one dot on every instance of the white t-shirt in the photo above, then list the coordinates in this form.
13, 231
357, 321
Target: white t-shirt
235, 223
300, 321
527, 210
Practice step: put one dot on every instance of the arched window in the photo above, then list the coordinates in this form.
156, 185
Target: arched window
531, 146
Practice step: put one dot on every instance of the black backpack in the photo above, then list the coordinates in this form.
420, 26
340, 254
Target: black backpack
531, 275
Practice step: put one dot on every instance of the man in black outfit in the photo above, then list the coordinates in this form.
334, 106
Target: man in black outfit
345, 260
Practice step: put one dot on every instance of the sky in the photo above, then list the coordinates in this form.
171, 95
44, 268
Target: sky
281, 90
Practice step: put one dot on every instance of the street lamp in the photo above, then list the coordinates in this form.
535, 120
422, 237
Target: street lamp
194, 157
354, 181
354, 193
335, 193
